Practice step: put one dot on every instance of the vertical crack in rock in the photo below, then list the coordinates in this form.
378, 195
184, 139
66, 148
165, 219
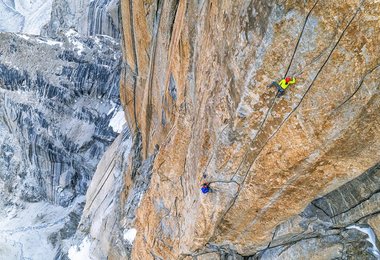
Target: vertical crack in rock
197, 84
88, 17
148, 115
358, 87
136, 68
173, 14
257, 152
299, 38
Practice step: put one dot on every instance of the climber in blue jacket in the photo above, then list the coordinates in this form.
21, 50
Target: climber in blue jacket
205, 187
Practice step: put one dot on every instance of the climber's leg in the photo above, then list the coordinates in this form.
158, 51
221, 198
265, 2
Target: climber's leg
281, 92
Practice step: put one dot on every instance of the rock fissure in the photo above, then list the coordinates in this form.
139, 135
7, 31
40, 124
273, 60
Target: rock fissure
358, 87
320, 208
375, 213
299, 37
354, 206
148, 107
136, 66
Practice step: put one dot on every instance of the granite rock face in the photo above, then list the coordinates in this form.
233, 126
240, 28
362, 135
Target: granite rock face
336, 226
107, 222
195, 85
343, 224
60, 110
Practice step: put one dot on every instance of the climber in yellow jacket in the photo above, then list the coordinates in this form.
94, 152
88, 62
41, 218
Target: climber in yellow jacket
283, 84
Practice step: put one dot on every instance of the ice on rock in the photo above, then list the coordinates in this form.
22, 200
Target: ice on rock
130, 235
118, 121
82, 252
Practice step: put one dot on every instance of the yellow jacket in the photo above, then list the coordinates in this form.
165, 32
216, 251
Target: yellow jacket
284, 85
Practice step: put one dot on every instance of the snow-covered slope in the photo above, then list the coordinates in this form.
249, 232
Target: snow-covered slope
34, 230
10, 19
27, 16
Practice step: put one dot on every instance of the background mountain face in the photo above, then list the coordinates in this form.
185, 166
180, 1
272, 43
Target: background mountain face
24, 16
49, 17
59, 96
295, 177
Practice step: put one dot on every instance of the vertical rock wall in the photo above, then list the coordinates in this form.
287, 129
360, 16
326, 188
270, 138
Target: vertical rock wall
195, 84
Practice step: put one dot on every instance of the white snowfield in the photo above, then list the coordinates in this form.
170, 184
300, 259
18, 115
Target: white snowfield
82, 252
26, 16
25, 230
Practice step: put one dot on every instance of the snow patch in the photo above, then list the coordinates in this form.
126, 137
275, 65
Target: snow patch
117, 122
23, 36
71, 32
79, 46
82, 252
72, 35
50, 42
371, 237
130, 235
98, 42
39, 40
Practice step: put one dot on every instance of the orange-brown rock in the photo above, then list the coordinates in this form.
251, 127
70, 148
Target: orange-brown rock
195, 84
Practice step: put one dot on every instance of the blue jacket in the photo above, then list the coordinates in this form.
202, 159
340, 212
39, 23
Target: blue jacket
205, 189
